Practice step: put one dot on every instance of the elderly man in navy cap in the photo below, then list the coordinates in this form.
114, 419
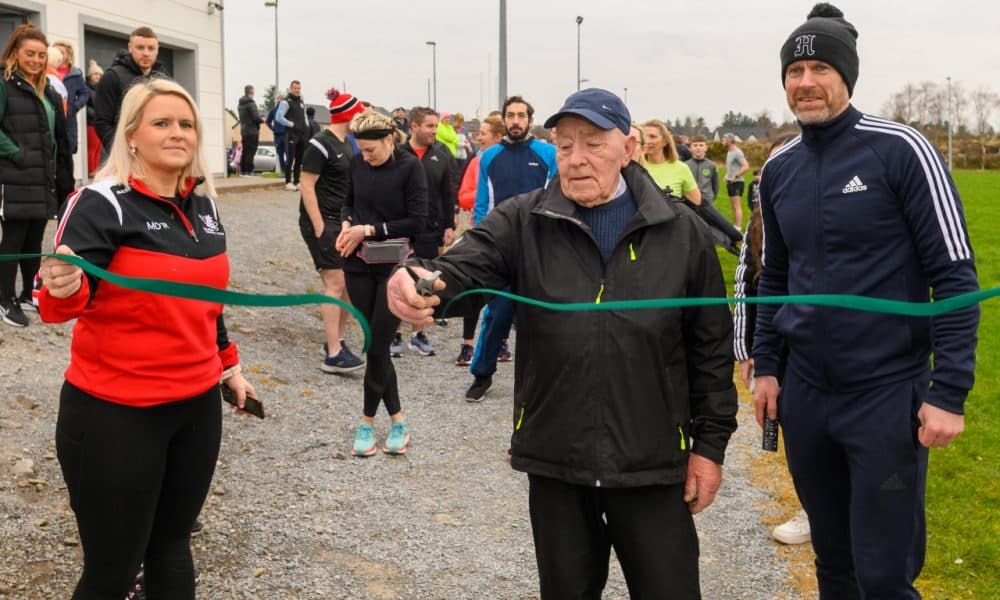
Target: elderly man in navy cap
621, 418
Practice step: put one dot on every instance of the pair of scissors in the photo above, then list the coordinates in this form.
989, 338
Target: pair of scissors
424, 285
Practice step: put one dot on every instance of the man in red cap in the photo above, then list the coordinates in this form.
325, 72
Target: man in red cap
325, 177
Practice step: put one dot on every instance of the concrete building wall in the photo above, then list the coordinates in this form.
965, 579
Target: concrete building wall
191, 29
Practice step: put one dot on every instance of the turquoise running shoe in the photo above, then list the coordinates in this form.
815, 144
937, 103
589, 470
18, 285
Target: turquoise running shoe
364, 441
398, 438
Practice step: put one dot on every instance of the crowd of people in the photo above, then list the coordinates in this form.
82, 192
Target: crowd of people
620, 419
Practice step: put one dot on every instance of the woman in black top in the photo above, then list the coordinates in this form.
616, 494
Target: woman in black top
36, 167
386, 199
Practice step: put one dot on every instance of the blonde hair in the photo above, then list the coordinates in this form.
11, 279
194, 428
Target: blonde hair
55, 57
669, 149
122, 163
371, 120
640, 144
93, 67
69, 58
495, 125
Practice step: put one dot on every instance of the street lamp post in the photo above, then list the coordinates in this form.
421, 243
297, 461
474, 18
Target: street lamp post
626, 96
434, 72
274, 4
950, 119
502, 58
579, 20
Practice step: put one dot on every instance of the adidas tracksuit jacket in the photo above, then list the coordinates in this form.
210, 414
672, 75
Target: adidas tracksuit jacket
863, 206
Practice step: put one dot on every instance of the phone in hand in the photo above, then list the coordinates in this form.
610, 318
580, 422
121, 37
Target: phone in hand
252, 405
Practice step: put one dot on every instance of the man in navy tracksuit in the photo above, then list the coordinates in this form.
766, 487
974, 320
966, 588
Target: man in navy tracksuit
860, 205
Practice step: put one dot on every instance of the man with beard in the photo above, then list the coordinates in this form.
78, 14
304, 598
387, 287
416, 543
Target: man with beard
517, 165
860, 205
135, 64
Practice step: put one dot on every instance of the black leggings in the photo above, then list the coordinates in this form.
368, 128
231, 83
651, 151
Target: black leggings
137, 478
367, 292
20, 237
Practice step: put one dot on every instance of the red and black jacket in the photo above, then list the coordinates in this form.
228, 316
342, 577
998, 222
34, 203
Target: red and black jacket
137, 348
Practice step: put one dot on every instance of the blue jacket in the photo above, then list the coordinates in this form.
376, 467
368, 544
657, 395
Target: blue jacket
865, 206
511, 168
77, 96
272, 121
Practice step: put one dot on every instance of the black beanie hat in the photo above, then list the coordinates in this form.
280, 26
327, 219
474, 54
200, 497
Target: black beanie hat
825, 36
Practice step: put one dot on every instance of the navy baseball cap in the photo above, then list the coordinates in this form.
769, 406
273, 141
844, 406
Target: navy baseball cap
600, 107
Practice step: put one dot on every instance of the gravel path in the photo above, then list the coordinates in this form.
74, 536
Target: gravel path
290, 513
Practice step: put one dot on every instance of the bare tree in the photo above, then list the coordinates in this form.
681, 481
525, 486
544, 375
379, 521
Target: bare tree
984, 102
909, 99
895, 108
937, 106
959, 104
925, 95
766, 123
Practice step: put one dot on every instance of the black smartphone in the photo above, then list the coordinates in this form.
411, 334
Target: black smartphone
252, 405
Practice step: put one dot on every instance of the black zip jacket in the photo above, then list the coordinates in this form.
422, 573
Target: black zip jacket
35, 181
442, 190
607, 398
250, 118
117, 79
391, 196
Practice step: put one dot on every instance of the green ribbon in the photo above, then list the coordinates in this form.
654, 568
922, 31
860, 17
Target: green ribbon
210, 294
862, 303
201, 292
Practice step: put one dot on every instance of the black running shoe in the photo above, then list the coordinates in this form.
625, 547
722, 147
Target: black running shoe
479, 388
11, 313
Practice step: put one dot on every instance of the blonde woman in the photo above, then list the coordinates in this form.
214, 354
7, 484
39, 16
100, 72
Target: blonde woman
77, 91
636, 133
139, 419
667, 170
386, 200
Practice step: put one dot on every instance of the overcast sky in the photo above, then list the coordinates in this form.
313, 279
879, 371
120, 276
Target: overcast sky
675, 58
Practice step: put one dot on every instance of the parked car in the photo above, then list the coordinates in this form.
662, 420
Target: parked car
264, 160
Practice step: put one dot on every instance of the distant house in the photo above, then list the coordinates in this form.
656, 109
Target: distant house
743, 134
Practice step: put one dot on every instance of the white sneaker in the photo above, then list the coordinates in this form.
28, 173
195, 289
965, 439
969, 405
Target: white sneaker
291, 187
795, 531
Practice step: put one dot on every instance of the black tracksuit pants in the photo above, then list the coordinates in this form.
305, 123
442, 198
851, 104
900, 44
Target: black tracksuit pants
137, 478
650, 528
250, 143
860, 474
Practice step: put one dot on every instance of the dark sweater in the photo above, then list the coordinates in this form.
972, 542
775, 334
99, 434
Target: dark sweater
608, 221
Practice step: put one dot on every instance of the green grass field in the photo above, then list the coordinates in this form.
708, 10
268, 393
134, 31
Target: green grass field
963, 483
